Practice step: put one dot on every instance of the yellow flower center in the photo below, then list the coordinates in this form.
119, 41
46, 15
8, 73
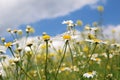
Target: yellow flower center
68, 37
96, 40
46, 37
8, 44
97, 59
89, 72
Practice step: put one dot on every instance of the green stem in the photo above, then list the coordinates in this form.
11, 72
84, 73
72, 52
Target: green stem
91, 54
25, 72
12, 36
61, 59
46, 72
71, 53
107, 51
16, 35
1, 78
11, 51
5, 69
39, 75
36, 64
38, 71
119, 65
17, 77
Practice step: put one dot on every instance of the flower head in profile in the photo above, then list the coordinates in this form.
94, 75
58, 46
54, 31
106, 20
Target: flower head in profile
20, 32
46, 37
9, 30
87, 27
30, 29
16, 59
30, 43
66, 37
19, 49
90, 74
3, 39
15, 31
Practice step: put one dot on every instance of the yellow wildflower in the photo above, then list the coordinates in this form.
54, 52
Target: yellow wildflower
43, 46
100, 8
32, 30
38, 56
52, 54
85, 49
108, 67
113, 30
79, 22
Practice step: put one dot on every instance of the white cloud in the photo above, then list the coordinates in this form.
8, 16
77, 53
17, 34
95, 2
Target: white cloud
17, 12
107, 31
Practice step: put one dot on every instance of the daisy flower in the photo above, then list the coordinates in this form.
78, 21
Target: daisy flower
68, 22
89, 74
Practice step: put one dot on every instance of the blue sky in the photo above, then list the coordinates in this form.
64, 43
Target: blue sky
53, 26
48, 19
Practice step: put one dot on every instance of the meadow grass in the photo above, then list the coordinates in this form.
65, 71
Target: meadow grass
73, 55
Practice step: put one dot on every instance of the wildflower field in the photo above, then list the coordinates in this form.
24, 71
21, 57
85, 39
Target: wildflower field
88, 54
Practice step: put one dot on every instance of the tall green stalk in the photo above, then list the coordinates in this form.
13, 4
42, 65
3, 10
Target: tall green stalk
11, 51
61, 59
71, 53
106, 64
46, 61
